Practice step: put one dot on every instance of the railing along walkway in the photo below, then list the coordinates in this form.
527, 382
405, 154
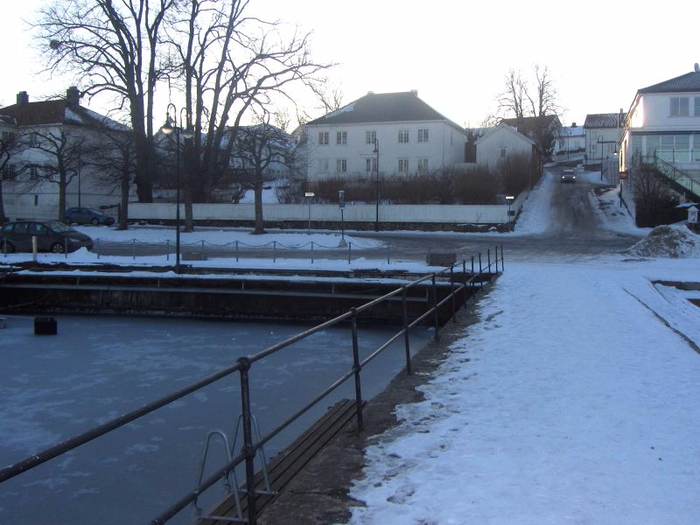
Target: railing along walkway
461, 279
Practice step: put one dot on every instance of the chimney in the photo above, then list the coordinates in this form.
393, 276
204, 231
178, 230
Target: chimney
73, 96
22, 98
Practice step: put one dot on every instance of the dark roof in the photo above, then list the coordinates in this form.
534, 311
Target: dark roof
526, 124
688, 82
59, 111
36, 113
384, 107
605, 120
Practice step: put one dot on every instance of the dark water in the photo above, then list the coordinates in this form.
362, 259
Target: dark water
97, 368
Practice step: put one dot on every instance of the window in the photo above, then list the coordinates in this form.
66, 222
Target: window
423, 166
504, 152
323, 138
403, 136
403, 165
697, 106
370, 137
8, 172
341, 165
33, 173
341, 138
371, 166
323, 166
423, 135
680, 106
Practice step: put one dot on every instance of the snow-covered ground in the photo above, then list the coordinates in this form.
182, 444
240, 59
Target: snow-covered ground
573, 400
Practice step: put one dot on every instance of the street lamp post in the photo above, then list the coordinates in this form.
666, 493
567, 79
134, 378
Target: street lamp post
376, 168
509, 200
168, 128
309, 195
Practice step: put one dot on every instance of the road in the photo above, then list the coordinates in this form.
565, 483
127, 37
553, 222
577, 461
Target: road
573, 231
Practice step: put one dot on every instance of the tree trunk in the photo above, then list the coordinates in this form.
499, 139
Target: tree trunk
259, 224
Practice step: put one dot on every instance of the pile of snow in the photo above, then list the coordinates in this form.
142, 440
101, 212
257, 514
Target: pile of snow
668, 241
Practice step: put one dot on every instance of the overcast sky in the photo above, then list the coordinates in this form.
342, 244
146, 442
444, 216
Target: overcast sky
455, 53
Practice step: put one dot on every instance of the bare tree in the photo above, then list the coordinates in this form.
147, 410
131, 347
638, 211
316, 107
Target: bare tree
8, 146
231, 65
512, 100
520, 99
257, 148
113, 46
545, 94
63, 152
115, 164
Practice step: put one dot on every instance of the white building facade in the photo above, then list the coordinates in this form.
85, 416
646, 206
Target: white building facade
602, 136
664, 123
500, 142
390, 134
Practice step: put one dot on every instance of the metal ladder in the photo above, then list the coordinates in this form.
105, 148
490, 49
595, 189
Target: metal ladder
231, 488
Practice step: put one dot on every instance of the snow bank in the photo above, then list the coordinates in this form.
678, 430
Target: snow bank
674, 241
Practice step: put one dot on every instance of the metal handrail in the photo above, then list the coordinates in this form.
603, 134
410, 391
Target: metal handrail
243, 367
676, 175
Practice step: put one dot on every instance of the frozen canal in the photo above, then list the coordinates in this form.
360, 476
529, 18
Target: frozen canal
97, 368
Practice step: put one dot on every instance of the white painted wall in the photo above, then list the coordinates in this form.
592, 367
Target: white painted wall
431, 213
501, 142
445, 147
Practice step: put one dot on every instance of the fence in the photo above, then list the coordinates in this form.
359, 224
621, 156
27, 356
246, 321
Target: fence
238, 249
478, 271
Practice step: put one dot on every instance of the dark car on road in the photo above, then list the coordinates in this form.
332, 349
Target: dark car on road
51, 236
80, 215
568, 176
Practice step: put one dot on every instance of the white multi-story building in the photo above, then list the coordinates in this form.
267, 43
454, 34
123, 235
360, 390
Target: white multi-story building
664, 123
388, 134
56, 142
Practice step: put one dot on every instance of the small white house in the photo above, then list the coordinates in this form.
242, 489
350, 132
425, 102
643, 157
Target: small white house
388, 134
602, 136
500, 142
569, 140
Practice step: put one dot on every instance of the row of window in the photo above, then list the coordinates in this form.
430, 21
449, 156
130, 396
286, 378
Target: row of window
681, 107
341, 137
341, 166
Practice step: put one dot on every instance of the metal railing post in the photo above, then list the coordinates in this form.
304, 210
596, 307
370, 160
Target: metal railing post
133, 249
356, 369
312, 252
503, 267
388, 253
274, 251
452, 293
435, 311
406, 338
349, 252
167, 250
97, 248
488, 259
248, 448
481, 271
236, 251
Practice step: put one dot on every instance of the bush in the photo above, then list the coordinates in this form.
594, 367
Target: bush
452, 185
515, 172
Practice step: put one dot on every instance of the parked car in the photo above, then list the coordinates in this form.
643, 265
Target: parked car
568, 176
80, 215
52, 236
